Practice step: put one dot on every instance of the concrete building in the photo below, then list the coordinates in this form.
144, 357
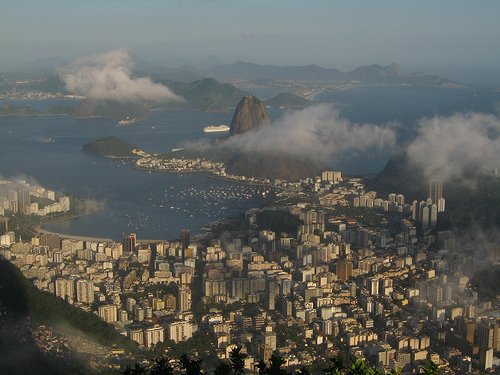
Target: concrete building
184, 298
344, 269
153, 335
85, 291
64, 288
108, 313
179, 330
4, 225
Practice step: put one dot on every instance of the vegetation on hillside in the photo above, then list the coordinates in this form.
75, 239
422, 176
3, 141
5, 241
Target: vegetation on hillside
475, 205
279, 222
287, 100
471, 201
24, 299
110, 146
206, 94
487, 281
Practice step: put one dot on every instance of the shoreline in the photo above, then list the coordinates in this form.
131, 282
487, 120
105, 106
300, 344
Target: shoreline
215, 176
38, 229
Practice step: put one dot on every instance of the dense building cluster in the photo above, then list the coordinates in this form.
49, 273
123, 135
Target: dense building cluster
179, 164
21, 197
359, 274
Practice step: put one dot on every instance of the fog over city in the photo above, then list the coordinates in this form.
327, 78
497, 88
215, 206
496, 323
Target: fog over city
449, 147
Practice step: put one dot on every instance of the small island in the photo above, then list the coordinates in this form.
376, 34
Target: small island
113, 147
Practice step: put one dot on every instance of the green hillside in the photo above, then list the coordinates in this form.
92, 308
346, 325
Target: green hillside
20, 296
206, 94
287, 100
110, 146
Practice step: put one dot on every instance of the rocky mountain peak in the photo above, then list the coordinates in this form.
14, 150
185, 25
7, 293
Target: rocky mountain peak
249, 114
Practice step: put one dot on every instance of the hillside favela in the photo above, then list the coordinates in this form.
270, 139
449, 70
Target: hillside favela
250, 187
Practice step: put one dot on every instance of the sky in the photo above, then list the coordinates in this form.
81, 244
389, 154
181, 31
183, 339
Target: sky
454, 38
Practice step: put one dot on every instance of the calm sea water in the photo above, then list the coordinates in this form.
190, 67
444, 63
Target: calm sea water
159, 205
155, 205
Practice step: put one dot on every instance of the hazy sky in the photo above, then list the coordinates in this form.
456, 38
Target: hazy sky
444, 36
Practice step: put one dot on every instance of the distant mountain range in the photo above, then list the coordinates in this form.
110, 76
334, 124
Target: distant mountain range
204, 89
213, 67
177, 69
366, 74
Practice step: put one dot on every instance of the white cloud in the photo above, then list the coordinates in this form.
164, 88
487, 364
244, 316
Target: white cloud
447, 147
317, 132
108, 76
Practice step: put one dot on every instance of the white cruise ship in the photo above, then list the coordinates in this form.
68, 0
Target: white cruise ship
128, 121
216, 128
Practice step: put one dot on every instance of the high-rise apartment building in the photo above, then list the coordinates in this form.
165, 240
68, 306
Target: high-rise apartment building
53, 241
435, 190
84, 291
153, 335
185, 239
344, 269
23, 199
129, 243
488, 334
65, 289
4, 225
184, 298
179, 330
108, 313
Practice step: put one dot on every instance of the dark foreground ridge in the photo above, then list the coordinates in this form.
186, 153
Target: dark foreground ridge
23, 308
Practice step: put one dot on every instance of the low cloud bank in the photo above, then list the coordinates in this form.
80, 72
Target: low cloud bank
448, 147
109, 76
317, 133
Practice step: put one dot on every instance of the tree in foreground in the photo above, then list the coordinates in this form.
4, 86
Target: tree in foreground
360, 367
136, 370
274, 368
191, 366
236, 366
237, 359
303, 371
223, 368
335, 367
161, 366
431, 369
